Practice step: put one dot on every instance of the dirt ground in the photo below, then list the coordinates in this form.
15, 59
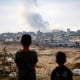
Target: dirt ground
46, 58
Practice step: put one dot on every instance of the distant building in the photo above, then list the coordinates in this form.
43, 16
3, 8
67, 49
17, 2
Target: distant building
68, 32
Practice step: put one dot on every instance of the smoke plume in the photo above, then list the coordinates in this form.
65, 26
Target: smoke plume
36, 21
33, 17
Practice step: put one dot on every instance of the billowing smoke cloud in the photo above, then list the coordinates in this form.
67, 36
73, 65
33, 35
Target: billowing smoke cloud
36, 21
33, 17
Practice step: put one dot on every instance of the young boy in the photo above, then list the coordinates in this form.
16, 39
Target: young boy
26, 60
61, 72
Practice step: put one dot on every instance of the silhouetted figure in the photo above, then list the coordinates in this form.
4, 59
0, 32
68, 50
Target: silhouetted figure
26, 60
61, 72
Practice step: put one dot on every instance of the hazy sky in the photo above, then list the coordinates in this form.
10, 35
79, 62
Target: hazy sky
31, 15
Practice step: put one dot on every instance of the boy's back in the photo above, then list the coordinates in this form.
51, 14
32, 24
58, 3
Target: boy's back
26, 62
61, 73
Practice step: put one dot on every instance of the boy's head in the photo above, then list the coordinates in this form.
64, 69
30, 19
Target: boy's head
26, 40
60, 58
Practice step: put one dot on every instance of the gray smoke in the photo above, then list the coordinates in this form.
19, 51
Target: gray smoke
35, 20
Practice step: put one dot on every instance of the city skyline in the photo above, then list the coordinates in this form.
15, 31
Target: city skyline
32, 15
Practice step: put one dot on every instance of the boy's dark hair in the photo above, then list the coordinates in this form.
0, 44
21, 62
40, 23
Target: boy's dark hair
60, 58
26, 40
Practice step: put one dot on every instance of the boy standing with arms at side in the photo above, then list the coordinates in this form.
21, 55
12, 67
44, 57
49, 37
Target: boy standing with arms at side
26, 60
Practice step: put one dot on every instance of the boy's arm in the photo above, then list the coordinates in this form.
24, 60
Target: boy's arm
16, 58
70, 76
53, 76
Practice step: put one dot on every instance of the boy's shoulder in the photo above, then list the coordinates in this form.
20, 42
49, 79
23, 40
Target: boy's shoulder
63, 67
60, 69
19, 51
30, 51
33, 53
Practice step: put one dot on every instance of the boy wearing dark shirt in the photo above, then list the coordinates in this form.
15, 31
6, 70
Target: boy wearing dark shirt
26, 60
61, 72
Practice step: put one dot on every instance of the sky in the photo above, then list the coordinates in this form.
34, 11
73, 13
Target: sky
32, 15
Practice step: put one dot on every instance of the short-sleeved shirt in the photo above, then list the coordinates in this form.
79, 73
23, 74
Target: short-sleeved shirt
26, 62
61, 73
